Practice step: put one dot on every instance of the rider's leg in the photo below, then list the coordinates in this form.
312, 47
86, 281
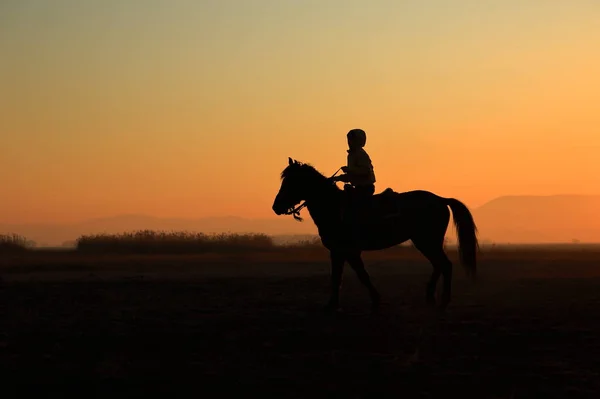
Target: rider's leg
347, 206
361, 210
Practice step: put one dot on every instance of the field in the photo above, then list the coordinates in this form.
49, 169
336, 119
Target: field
237, 324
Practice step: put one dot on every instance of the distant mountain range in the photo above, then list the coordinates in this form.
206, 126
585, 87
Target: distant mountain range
556, 218
507, 219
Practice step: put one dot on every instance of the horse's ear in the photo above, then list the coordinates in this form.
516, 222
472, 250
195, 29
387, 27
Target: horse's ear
290, 160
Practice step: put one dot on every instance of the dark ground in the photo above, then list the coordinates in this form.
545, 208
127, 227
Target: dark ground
527, 329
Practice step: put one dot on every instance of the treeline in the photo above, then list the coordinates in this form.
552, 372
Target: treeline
149, 241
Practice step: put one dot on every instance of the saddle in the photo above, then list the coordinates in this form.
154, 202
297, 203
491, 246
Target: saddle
382, 205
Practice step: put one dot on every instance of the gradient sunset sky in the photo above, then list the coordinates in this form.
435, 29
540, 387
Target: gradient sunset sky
191, 108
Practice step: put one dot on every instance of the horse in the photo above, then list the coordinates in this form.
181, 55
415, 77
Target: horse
420, 216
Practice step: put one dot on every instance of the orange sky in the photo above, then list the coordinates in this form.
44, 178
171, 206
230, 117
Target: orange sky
191, 109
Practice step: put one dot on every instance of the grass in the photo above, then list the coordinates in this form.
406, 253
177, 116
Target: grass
148, 241
311, 243
11, 243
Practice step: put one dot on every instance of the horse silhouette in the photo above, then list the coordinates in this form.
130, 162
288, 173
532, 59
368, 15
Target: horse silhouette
419, 216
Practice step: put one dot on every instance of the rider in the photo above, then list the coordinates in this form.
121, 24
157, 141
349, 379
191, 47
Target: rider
360, 175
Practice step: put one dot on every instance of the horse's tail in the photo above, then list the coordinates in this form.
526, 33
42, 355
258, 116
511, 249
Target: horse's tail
467, 235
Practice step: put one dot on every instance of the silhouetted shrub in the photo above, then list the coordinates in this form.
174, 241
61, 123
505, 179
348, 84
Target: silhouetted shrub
14, 243
148, 241
313, 242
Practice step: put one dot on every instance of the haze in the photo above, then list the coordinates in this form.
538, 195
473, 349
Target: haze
190, 109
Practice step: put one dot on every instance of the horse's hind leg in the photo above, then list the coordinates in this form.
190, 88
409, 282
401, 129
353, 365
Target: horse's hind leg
441, 266
446, 266
356, 262
432, 284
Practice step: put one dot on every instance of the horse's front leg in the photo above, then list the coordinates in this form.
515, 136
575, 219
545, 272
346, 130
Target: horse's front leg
337, 269
356, 262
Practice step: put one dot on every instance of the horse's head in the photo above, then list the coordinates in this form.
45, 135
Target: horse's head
298, 182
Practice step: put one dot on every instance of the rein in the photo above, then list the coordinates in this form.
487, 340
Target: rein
295, 212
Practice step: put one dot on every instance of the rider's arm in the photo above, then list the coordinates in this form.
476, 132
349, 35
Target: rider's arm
343, 178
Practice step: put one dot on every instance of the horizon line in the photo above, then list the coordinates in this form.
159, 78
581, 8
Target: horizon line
121, 215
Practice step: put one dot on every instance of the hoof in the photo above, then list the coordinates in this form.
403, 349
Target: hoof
444, 302
376, 300
441, 309
379, 307
430, 301
330, 308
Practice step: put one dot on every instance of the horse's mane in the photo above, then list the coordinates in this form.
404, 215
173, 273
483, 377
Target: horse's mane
302, 168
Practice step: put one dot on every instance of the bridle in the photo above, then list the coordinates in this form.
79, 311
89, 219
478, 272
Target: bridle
295, 211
